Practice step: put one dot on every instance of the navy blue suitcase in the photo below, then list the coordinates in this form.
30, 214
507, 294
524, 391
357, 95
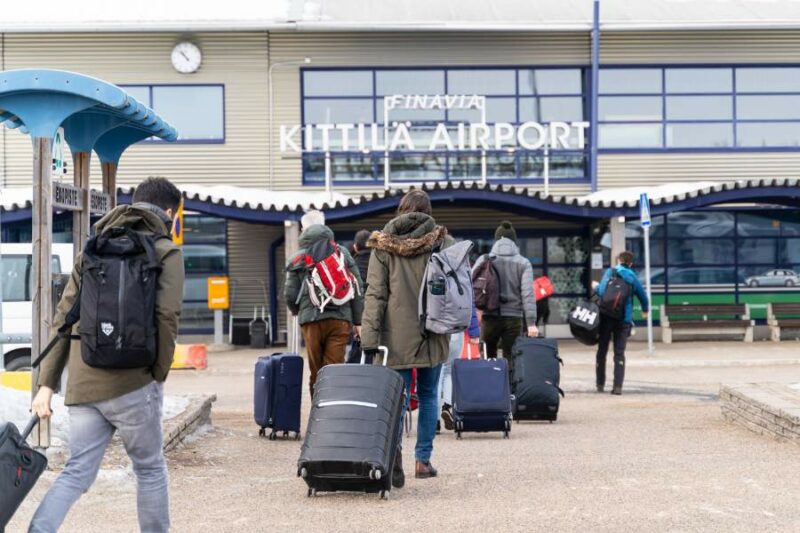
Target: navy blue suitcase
536, 379
481, 396
278, 392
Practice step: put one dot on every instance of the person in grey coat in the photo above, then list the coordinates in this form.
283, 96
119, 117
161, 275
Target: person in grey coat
517, 302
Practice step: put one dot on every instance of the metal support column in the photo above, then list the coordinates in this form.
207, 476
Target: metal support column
42, 219
617, 229
291, 246
81, 220
594, 86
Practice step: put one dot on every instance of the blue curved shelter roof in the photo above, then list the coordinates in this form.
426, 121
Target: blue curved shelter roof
96, 115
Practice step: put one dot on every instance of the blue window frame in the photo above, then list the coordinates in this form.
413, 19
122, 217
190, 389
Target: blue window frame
513, 94
179, 105
699, 108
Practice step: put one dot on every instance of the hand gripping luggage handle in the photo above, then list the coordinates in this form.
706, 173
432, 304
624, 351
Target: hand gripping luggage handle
383, 349
29, 428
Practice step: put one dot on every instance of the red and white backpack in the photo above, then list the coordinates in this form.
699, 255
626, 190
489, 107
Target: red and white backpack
328, 279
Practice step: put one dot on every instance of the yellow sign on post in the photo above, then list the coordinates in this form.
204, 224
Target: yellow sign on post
218, 296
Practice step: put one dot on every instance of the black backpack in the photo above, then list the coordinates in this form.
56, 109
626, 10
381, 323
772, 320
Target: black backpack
486, 286
117, 301
614, 300
584, 322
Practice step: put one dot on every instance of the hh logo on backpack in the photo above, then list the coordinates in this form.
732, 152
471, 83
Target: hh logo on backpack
445, 298
328, 279
584, 315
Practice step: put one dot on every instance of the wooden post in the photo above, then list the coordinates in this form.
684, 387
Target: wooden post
110, 182
81, 220
42, 219
291, 245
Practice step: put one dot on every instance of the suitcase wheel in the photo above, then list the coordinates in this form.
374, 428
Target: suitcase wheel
304, 473
505, 434
375, 474
312, 492
384, 495
297, 435
262, 432
458, 435
273, 436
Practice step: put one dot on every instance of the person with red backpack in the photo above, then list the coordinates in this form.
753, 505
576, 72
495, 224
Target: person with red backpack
324, 290
616, 291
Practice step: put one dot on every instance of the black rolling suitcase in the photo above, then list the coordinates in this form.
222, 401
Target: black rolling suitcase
535, 383
20, 468
353, 430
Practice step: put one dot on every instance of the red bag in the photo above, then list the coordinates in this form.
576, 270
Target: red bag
329, 281
413, 402
542, 288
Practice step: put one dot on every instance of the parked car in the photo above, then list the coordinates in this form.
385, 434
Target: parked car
774, 278
15, 283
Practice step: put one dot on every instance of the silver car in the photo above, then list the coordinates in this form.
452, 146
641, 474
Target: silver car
774, 278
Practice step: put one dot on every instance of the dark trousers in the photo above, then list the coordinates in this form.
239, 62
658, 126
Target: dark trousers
620, 331
502, 330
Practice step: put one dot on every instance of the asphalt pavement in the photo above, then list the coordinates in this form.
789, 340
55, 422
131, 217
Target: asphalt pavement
659, 458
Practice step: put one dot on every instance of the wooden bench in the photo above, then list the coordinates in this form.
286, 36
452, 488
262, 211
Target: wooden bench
706, 319
782, 315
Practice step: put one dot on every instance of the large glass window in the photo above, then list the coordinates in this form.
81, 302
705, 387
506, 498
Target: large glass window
699, 108
513, 95
179, 105
204, 254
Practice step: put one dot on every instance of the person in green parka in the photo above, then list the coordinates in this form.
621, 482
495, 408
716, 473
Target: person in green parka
391, 318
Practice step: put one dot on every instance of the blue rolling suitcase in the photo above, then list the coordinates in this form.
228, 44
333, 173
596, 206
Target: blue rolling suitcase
278, 392
481, 396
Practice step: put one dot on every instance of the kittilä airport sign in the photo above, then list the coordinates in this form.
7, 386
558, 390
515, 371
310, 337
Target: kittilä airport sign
446, 136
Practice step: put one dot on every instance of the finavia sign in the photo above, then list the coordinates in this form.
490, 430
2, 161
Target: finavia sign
437, 136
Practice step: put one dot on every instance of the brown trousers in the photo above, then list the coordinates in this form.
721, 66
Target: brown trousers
326, 342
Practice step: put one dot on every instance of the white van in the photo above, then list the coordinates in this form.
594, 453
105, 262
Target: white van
15, 282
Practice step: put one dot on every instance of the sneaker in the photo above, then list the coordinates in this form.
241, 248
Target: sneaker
398, 476
601, 388
617, 391
424, 470
447, 418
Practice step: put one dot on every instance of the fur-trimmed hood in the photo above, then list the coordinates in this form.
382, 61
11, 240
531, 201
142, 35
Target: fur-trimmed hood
408, 235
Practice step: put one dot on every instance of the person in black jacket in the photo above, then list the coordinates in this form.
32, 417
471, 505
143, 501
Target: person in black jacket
361, 254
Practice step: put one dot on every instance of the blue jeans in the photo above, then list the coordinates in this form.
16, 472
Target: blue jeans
428, 393
137, 417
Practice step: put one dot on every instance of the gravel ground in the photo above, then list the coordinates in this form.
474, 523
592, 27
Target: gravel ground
660, 458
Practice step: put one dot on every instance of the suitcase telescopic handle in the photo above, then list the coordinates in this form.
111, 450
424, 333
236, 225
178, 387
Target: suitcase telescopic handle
29, 428
383, 349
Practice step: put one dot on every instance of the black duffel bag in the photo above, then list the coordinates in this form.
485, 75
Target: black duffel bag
20, 468
584, 322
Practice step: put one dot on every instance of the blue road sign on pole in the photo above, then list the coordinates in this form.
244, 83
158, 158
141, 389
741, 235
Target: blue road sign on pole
644, 209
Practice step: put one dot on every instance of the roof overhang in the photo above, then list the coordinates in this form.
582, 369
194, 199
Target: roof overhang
275, 207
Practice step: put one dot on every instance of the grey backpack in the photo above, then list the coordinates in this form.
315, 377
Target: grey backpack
445, 298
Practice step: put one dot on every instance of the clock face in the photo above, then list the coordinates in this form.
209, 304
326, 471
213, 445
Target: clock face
186, 57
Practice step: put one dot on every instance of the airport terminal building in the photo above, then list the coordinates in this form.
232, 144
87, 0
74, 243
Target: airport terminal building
551, 118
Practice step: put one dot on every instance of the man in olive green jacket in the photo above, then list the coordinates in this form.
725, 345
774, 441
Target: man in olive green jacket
391, 316
102, 401
326, 333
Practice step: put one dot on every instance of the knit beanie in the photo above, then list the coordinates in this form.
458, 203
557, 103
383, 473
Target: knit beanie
505, 229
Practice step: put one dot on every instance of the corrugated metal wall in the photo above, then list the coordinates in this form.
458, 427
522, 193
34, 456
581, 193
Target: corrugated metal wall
625, 170
666, 47
407, 49
248, 267
237, 60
